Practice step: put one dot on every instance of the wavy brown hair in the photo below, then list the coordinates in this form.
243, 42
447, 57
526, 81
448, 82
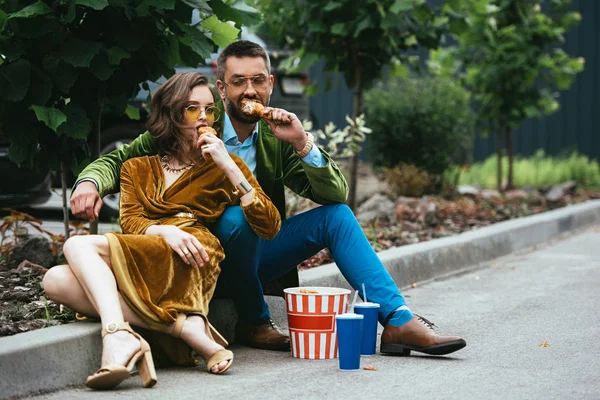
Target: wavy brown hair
166, 118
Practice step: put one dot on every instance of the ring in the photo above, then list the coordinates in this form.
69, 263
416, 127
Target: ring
206, 146
186, 252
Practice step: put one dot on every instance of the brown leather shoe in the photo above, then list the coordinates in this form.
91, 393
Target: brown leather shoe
418, 335
266, 336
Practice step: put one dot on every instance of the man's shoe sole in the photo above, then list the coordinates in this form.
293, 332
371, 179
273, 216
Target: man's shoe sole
437, 350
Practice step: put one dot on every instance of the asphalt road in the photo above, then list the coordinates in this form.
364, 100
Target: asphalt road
505, 310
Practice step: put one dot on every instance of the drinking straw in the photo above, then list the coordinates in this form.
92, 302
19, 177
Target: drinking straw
354, 300
364, 292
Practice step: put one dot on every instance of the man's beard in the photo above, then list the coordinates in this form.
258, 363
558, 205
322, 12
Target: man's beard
235, 112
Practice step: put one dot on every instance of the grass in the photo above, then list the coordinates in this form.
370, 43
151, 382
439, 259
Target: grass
539, 171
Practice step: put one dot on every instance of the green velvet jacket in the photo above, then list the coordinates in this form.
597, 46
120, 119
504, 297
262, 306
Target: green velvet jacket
276, 167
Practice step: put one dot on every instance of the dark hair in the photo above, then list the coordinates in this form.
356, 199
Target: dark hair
241, 48
166, 116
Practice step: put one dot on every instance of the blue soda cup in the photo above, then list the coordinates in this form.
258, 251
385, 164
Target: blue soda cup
349, 332
370, 312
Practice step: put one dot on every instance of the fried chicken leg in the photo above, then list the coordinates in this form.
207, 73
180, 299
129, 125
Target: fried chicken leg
253, 108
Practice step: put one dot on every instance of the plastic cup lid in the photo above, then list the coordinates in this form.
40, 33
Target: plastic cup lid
367, 304
349, 316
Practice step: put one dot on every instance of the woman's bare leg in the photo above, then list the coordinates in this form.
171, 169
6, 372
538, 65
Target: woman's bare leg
62, 287
89, 260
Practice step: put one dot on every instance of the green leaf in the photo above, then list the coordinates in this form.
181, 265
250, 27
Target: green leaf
250, 14
201, 5
3, 17
401, 6
101, 69
77, 126
161, 4
197, 41
40, 88
332, 5
64, 77
317, 26
79, 53
362, 25
14, 80
222, 32
133, 112
50, 116
116, 54
168, 51
33, 10
225, 12
94, 4
339, 28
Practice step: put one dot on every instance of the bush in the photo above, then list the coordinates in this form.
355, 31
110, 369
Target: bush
423, 121
537, 170
407, 180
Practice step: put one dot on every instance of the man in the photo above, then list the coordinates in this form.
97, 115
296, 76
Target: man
280, 153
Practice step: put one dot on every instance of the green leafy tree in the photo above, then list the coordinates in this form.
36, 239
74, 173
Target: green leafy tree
355, 39
66, 63
514, 63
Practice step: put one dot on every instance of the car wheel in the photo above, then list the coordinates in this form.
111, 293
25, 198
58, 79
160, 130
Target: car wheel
111, 140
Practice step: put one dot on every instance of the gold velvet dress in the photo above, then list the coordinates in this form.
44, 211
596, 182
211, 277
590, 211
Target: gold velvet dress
151, 277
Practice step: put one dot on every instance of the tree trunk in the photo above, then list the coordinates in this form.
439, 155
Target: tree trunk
95, 154
509, 150
63, 185
499, 153
356, 111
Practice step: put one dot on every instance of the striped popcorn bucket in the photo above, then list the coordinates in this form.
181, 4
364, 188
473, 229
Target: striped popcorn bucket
311, 320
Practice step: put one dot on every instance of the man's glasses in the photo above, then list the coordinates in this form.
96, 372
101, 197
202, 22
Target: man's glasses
193, 112
240, 84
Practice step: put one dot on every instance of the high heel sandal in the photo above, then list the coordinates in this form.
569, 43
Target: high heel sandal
111, 375
220, 355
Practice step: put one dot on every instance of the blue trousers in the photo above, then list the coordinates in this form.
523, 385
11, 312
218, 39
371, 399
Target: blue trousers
251, 261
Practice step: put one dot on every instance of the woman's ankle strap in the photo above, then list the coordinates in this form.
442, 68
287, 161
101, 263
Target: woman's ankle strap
113, 327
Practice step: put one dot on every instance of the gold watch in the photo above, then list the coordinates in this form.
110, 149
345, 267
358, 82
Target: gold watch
310, 141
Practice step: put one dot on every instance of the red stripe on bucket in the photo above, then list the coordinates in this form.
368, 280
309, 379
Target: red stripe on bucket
313, 323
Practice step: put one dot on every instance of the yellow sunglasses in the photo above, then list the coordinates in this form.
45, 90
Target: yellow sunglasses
193, 112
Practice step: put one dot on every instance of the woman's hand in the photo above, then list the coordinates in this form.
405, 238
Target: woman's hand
183, 243
212, 147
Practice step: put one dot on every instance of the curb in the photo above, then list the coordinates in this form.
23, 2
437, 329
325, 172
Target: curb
54, 358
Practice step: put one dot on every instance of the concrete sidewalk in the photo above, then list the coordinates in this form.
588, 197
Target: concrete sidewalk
57, 357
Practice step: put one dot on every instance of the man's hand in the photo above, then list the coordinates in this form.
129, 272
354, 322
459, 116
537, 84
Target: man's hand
287, 127
85, 201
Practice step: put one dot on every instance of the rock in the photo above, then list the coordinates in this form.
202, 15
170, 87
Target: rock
490, 194
411, 202
377, 207
516, 194
556, 192
36, 249
427, 212
467, 190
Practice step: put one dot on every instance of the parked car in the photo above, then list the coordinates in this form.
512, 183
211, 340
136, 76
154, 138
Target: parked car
21, 186
288, 93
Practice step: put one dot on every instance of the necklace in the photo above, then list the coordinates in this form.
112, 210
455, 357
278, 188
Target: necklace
164, 160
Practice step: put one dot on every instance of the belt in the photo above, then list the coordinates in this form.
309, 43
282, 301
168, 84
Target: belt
184, 215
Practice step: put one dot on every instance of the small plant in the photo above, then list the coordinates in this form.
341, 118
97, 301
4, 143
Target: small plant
407, 180
15, 227
342, 143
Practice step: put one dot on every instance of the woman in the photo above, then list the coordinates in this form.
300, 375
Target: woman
161, 273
